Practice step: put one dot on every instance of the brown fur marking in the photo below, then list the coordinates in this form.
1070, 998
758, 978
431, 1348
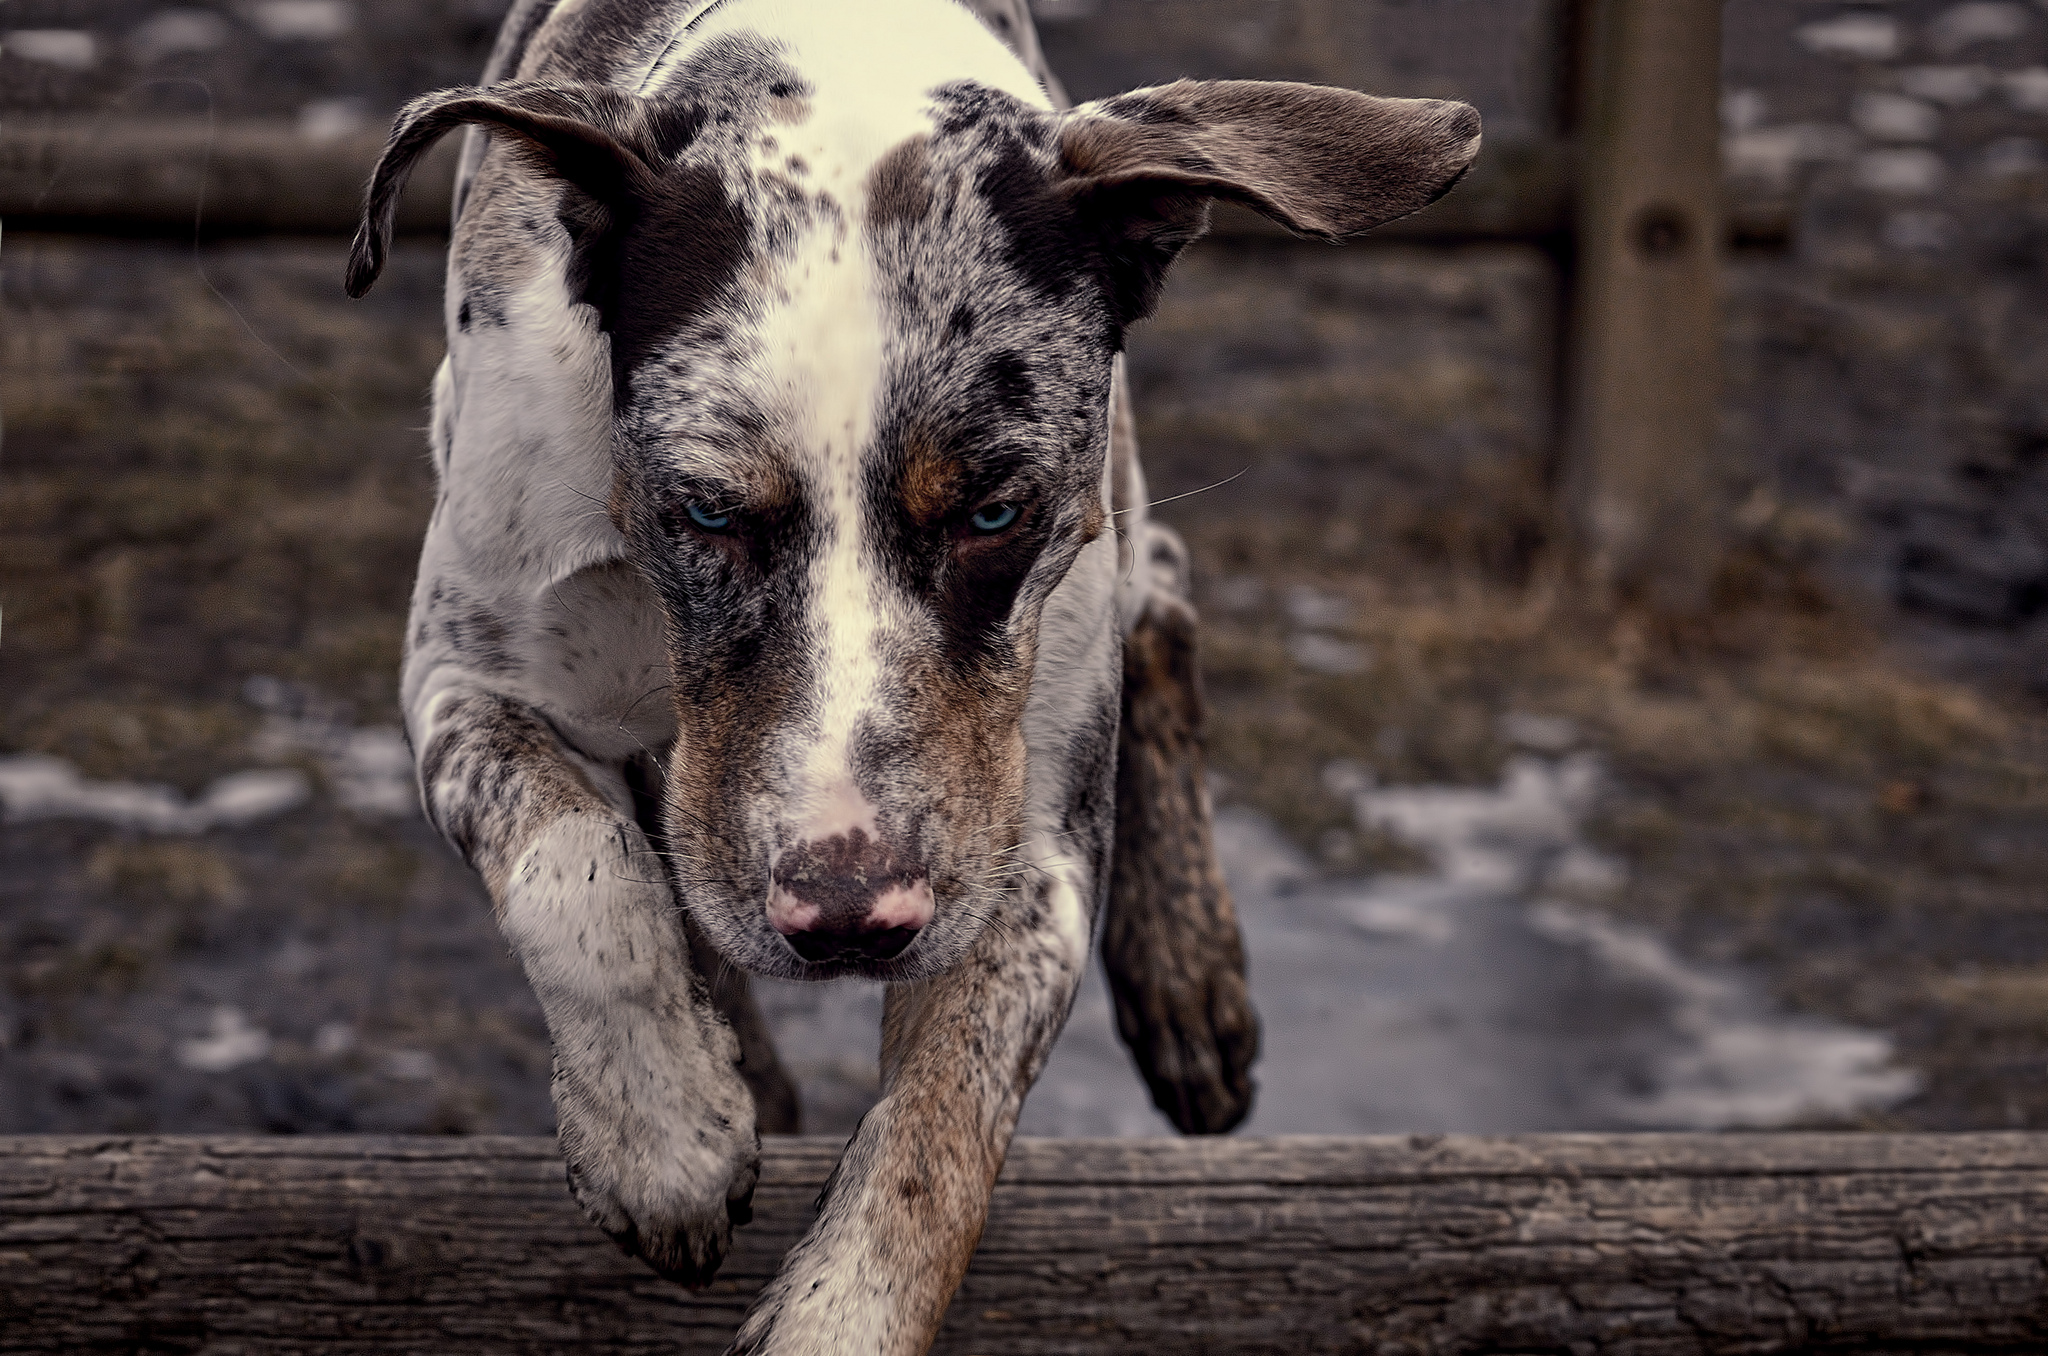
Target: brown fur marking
898, 191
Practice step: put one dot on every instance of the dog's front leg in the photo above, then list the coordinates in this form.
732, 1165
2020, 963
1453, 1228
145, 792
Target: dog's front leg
899, 1220
654, 1119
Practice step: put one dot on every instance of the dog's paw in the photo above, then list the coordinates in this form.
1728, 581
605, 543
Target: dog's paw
654, 1118
1193, 1032
665, 1174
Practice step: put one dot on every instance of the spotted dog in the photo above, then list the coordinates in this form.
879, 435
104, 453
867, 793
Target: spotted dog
790, 605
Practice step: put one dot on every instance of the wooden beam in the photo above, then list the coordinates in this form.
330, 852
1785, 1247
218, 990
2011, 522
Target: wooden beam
1589, 1243
1643, 335
127, 177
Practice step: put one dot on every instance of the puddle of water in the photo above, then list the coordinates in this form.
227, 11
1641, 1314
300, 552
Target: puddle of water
1469, 999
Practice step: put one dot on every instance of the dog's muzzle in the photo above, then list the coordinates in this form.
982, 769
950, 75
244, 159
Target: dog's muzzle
848, 897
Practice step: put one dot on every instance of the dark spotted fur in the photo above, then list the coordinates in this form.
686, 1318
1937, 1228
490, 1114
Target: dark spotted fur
709, 607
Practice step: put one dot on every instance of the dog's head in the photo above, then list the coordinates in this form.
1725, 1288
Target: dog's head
860, 387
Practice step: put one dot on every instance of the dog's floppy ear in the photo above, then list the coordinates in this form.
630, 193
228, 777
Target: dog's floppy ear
585, 135
1324, 162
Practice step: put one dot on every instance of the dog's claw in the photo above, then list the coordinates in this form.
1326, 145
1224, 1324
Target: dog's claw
681, 1238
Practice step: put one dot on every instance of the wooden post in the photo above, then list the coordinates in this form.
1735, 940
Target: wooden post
1643, 335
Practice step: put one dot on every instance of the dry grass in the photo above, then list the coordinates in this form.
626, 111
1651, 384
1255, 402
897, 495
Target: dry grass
183, 508
200, 487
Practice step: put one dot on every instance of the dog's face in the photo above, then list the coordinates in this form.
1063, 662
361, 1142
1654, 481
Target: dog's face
860, 402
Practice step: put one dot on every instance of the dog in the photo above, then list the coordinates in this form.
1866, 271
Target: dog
790, 604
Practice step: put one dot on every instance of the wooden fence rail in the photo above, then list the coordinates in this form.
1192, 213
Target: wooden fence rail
101, 174
122, 175
1545, 1243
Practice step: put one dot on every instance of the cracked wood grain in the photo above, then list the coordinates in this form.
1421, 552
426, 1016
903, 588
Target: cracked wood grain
1556, 1243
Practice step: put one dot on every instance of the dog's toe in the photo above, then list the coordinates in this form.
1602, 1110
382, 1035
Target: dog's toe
1194, 1044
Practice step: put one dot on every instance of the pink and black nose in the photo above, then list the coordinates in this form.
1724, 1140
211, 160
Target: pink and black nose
847, 898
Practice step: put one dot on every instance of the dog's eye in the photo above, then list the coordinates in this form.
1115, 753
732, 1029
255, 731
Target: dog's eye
708, 518
994, 517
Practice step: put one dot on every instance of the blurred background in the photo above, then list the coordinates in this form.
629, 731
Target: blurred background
1626, 618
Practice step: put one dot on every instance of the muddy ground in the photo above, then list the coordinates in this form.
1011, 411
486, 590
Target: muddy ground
214, 472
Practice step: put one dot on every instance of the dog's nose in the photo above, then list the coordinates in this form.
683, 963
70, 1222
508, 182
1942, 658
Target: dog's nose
847, 897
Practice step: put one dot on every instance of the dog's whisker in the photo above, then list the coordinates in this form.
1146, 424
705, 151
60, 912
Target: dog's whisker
1189, 494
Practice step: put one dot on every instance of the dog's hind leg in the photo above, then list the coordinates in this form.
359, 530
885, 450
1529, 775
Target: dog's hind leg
1170, 939
654, 1118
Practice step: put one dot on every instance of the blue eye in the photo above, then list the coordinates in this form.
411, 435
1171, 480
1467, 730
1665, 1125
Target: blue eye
994, 517
706, 519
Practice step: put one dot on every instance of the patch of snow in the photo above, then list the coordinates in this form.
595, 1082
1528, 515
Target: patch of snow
334, 1039
1740, 1064
1328, 655
1980, 21
410, 1066
1259, 859
1743, 109
1315, 610
36, 787
1346, 777
1912, 171
1860, 37
1894, 117
2010, 157
303, 20
244, 798
71, 49
1579, 870
1387, 910
325, 120
1490, 838
1775, 154
369, 767
1539, 734
1472, 999
229, 1043
171, 32
1951, 85
373, 773
2027, 90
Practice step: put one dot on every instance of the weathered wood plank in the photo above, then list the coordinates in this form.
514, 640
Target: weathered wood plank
118, 175
129, 176
1649, 1243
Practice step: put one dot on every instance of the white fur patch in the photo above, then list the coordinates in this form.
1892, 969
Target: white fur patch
1077, 675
